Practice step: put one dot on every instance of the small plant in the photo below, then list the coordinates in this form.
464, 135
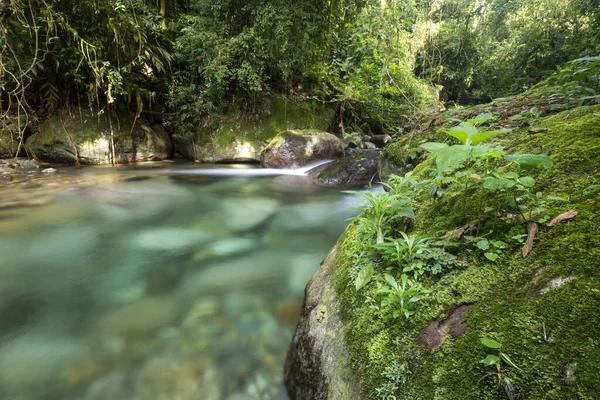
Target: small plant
398, 298
526, 117
353, 139
492, 248
496, 361
395, 375
403, 253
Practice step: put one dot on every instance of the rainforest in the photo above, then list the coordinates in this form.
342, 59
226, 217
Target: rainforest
308, 199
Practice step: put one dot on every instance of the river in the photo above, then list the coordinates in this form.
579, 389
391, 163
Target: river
157, 281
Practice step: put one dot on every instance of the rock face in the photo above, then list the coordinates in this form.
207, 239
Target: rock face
318, 363
359, 168
71, 139
294, 149
241, 138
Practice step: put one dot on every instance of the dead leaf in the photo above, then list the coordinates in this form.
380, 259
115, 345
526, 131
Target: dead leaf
538, 130
563, 217
532, 229
457, 234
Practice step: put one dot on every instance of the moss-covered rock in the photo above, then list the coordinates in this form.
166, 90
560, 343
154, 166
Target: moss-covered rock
296, 148
358, 168
318, 364
241, 137
543, 308
86, 139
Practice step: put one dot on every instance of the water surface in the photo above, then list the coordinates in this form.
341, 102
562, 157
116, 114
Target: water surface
168, 282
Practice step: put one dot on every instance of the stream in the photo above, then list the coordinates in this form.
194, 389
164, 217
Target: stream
157, 281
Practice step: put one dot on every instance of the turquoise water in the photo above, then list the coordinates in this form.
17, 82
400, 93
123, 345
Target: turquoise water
156, 282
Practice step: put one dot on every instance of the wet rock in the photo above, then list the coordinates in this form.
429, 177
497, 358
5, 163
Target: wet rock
173, 240
226, 248
69, 138
142, 317
381, 140
6, 177
33, 364
369, 145
293, 149
359, 168
245, 214
49, 171
316, 366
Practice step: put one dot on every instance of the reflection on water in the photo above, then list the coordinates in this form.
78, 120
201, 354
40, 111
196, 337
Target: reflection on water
156, 284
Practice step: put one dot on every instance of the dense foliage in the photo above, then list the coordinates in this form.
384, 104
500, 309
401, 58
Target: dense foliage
188, 62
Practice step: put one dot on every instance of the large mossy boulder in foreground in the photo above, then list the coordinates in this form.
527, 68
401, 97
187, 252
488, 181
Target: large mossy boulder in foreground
318, 363
544, 309
357, 168
296, 148
241, 137
86, 139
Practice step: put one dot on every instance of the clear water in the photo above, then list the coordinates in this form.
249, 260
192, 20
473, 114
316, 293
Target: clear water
145, 283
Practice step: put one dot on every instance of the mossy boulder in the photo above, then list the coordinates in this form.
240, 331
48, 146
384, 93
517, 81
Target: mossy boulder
358, 168
296, 148
241, 137
318, 363
543, 309
71, 137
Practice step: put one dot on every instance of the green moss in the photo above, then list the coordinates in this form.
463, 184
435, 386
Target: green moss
284, 114
508, 296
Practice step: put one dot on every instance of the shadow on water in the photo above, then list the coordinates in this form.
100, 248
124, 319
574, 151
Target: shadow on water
178, 282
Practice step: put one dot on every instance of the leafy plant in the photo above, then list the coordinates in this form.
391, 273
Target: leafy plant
496, 360
492, 248
398, 298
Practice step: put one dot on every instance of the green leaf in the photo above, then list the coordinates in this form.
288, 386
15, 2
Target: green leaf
462, 132
433, 146
498, 183
477, 138
481, 119
408, 212
491, 256
527, 181
364, 276
483, 244
492, 344
531, 161
490, 360
451, 157
507, 359
391, 281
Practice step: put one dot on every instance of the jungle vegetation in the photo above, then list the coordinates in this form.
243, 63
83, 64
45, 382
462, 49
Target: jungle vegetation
183, 63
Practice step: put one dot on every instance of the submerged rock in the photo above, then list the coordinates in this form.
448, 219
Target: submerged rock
359, 168
175, 240
293, 149
244, 214
72, 139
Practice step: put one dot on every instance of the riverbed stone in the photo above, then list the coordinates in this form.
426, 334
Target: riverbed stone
358, 168
244, 214
74, 138
174, 240
295, 148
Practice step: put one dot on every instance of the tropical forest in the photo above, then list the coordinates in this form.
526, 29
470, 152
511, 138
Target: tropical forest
299, 199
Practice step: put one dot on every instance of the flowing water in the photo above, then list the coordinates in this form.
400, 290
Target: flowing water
141, 283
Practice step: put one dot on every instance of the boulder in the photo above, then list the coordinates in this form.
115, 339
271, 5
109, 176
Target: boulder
86, 139
381, 140
241, 137
318, 364
359, 168
296, 148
